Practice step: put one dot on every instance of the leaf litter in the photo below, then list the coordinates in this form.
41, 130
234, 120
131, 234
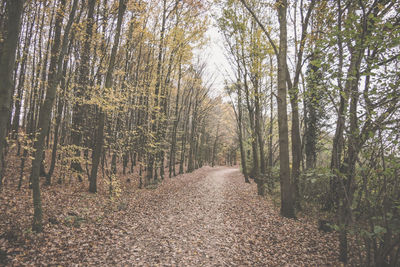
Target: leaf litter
206, 218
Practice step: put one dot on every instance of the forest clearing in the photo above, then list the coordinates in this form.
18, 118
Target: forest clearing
200, 132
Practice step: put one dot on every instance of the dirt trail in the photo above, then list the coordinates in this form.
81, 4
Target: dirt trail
207, 218
189, 228
215, 219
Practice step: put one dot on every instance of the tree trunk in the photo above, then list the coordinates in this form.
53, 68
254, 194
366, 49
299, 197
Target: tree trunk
80, 91
240, 131
21, 80
14, 9
96, 154
102, 116
255, 173
185, 129
61, 72
172, 155
311, 119
214, 150
271, 127
192, 141
338, 140
258, 130
287, 198
44, 119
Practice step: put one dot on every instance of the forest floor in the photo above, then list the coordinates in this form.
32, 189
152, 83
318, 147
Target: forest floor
207, 218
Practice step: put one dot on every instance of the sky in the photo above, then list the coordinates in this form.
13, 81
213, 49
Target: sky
218, 67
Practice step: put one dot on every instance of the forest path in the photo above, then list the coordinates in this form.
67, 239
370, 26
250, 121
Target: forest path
190, 228
210, 217
213, 218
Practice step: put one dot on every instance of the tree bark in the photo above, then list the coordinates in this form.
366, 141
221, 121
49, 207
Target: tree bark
102, 116
81, 91
44, 119
287, 198
214, 149
14, 9
61, 72
255, 173
271, 127
259, 134
21, 80
240, 135
172, 155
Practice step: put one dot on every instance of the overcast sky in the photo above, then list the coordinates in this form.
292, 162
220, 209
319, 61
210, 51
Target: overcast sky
214, 55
